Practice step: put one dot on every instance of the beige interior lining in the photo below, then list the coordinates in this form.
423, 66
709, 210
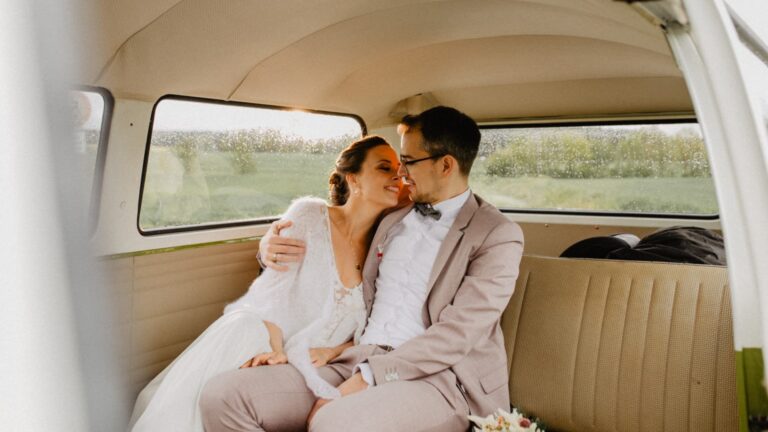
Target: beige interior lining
364, 56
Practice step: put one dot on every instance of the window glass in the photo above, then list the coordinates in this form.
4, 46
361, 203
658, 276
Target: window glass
89, 116
87, 109
654, 168
219, 163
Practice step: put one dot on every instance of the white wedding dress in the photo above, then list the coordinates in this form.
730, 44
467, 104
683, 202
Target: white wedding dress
309, 303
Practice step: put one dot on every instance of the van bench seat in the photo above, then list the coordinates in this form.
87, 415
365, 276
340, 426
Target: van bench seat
601, 345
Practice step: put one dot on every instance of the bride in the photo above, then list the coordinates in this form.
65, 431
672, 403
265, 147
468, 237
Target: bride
306, 316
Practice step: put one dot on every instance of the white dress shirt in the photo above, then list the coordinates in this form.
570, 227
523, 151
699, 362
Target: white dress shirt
408, 256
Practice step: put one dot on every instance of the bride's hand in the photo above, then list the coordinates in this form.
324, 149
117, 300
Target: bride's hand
270, 358
321, 356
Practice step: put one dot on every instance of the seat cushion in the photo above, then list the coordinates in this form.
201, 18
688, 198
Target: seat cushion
604, 345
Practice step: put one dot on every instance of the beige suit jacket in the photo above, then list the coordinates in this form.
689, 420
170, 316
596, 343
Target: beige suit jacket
471, 283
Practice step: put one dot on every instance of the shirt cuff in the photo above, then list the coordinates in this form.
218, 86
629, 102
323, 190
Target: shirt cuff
365, 370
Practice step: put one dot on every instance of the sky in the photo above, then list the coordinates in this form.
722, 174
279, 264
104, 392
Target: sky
186, 115
199, 116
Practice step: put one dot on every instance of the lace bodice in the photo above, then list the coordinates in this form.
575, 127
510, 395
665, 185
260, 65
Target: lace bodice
347, 319
308, 302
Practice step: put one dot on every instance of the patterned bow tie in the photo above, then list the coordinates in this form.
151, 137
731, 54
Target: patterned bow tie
427, 210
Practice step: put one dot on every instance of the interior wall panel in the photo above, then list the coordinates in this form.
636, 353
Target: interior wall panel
167, 299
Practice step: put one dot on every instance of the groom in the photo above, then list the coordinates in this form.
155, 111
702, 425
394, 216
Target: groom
436, 280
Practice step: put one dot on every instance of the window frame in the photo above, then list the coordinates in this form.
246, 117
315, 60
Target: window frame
545, 123
94, 206
216, 225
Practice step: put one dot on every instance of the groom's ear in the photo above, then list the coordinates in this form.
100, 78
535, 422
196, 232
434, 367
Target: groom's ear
448, 164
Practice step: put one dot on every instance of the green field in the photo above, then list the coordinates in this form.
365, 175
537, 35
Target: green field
210, 189
654, 195
686, 195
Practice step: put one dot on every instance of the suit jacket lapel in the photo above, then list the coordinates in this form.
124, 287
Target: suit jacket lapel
371, 266
449, 244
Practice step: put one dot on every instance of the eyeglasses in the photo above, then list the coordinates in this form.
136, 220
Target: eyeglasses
405, 162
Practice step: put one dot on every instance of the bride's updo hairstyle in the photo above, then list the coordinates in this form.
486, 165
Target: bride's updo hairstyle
350, 161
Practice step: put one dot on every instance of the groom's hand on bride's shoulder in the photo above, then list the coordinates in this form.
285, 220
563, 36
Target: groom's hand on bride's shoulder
270, 358
275, 251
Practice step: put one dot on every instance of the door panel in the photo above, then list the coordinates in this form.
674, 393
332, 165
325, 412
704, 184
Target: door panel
168, 298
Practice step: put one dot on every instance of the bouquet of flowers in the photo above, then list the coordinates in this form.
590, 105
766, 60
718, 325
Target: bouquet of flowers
504, 422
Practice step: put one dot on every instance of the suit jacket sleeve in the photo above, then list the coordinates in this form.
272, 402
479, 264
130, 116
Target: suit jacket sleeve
479, 302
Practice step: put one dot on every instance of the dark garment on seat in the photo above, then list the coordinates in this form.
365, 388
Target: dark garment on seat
595, 247
692, 245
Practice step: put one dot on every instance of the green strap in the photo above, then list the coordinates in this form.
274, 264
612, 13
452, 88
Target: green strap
753, 400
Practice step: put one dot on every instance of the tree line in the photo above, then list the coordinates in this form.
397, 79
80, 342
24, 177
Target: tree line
241, 145
570, 152
582, 153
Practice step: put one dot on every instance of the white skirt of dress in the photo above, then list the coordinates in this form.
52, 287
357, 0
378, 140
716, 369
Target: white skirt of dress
169, 402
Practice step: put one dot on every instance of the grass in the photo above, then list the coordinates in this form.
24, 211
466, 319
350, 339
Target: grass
681, 195
208, 190
649, 195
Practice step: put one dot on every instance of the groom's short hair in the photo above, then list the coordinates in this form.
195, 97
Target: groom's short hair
446, 131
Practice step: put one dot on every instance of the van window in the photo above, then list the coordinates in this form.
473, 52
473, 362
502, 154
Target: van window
630, 168
222, 163
89, 114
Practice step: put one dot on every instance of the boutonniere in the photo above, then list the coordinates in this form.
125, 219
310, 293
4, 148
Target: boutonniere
380, 251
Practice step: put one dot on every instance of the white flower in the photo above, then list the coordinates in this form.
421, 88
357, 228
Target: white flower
504, 422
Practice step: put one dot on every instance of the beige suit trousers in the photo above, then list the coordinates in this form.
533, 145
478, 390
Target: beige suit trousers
275, 399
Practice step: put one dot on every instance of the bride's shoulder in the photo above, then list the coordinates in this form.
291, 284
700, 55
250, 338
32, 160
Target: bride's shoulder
307, 206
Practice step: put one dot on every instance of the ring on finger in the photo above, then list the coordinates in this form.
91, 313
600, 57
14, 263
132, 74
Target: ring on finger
274, 257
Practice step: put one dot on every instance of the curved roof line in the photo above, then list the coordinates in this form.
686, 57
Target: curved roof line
337, 23
112, 58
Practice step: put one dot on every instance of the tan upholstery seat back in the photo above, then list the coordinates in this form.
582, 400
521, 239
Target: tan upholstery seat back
599, 345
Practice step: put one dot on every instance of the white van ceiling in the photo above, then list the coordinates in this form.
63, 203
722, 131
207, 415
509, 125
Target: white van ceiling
492, 59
